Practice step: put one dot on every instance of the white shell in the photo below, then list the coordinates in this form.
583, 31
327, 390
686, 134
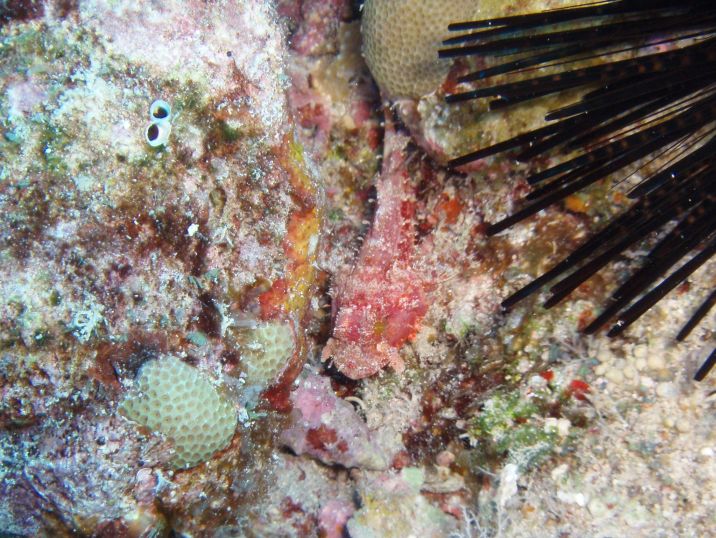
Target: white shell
157, 133
160, 111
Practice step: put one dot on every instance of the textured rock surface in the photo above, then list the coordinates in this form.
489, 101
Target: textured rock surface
329, 429
392, 507
114, 253
259, 209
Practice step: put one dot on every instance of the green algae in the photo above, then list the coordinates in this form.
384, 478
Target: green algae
511, 426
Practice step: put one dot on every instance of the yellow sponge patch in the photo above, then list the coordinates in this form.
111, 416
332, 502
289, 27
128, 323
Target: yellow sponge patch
177, 400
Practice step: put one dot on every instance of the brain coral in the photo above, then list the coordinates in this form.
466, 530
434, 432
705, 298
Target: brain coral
401, 39
175, 399
265, 355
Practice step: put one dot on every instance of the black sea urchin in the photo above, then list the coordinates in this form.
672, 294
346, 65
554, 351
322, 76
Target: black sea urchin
646, 70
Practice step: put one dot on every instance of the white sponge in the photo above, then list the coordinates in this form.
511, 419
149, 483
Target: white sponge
177, 400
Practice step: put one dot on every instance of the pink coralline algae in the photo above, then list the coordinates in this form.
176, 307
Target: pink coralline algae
380, 303
333, 518
328, 428
318, 24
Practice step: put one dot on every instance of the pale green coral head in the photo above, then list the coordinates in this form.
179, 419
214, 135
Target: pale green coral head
401, 39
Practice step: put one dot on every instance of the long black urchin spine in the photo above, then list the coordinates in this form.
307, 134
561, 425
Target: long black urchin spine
646, 73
